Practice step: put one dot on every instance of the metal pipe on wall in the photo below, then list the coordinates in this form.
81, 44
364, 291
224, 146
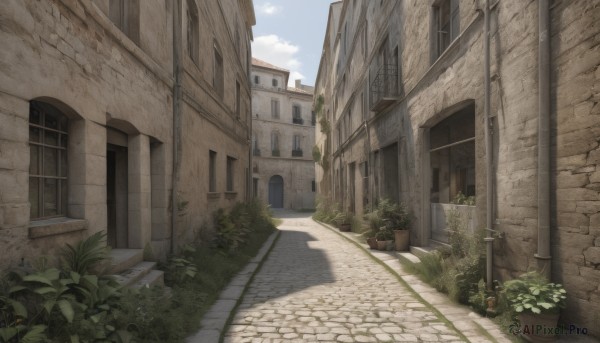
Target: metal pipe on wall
488, 151
543, 244
177, 69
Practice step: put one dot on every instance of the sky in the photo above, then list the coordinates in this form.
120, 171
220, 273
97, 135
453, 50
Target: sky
289, 34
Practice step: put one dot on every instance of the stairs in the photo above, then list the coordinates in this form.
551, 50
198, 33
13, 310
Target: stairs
130, 270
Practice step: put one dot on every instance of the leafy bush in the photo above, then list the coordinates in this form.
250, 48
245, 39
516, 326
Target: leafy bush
532, 292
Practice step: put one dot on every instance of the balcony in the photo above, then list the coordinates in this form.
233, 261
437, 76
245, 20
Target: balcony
298, 120
256, 152
275, 153
297, 153
384, 87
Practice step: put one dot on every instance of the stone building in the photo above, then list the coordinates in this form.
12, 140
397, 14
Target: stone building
283, 135
404, 84
124, 116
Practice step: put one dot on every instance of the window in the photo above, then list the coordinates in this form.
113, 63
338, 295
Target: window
192, 30
365, 41
255, 150
274, 108
48, 161
446, 25
125, 15
237, 99
297, 146
297, 114
212, 172
256, 79
274, 143
274, 82
313, 186
313, 118
230, 173
218, 71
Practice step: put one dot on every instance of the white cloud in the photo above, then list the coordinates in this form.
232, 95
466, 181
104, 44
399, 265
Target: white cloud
279, 52
268, 9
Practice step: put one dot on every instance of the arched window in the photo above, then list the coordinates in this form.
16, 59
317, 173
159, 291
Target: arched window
193, 35
48, 134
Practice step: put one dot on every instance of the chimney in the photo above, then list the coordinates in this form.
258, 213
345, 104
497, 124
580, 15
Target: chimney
299, 84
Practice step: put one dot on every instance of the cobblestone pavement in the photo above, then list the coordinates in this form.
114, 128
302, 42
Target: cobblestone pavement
317, 287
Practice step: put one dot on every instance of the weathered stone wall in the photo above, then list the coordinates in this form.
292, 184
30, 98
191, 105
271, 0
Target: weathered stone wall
70, 55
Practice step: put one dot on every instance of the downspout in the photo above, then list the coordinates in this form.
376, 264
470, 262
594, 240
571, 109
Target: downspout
177, 69
543, 246
370, 165
489, 239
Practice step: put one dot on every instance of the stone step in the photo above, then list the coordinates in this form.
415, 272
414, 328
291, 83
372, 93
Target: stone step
130, 276
408, 257
153, 278
420, 251
123, 259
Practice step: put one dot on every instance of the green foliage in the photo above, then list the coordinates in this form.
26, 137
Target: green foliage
385, 233
389, 214
461, 199
531, 292
316, 154
478, 298
325, 125
85, 254
319, 104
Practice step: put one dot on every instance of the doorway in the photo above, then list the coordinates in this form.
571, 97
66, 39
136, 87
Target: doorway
116, 196
276, 191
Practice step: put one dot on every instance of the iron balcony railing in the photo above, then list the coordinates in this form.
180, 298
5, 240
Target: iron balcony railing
297, 153
297, 120
275, 153
384, 87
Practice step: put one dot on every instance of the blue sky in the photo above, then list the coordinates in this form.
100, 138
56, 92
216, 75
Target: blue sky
289, 34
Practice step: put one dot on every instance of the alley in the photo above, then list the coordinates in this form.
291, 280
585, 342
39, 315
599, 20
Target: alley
315, 286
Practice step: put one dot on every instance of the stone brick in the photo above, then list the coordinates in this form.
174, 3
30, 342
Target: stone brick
573, 219
587, 206
594, 157
585, 169
576, 194
566, 179
592, 255
594, 186
571, 162
595, 177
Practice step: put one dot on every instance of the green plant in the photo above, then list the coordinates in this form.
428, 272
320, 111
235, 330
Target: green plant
85, 254
478, 298
385, 234
316, 154
532, 292
461, 199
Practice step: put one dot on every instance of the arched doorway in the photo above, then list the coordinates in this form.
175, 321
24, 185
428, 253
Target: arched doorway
276, 191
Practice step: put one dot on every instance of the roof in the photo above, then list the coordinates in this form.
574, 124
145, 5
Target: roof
260, 63
298, 90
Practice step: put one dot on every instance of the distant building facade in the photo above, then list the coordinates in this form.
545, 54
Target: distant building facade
283, 135
127, 117
403, 118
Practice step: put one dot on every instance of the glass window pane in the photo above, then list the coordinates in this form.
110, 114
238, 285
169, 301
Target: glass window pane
50, 197
63, 197
64, 124
34, 210
50, 162
63, 141
50, 121
34, 134
34, 116
63, 163
34, 154
51, 138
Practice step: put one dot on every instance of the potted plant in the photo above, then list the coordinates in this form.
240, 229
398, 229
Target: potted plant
385, 238
396, 217
346, 222
537, 303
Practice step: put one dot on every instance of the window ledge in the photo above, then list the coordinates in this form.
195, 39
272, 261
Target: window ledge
230, 195
55, 226
213, 195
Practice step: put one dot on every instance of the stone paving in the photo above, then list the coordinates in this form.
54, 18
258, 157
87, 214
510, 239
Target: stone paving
317, 287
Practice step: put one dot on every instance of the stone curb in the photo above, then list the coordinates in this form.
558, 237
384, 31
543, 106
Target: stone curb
214, 322
470, 324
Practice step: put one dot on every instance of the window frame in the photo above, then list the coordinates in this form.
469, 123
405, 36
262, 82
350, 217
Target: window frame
440, 10
275, 108
212, 171
61, 148
193, 31
218, 71
230, 174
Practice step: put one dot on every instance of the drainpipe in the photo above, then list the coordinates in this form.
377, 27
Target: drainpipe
370, 165
489, 240
177, 69
543, 246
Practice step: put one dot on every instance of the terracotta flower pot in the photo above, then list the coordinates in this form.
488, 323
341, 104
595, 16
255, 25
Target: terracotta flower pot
372, 242
402, 239
345, 227
385, 245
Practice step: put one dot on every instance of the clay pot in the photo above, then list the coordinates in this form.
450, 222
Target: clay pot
402, 239
345, 227
533, 325
372, 242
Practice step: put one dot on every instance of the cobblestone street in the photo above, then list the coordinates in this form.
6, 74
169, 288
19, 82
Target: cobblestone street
315, 286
